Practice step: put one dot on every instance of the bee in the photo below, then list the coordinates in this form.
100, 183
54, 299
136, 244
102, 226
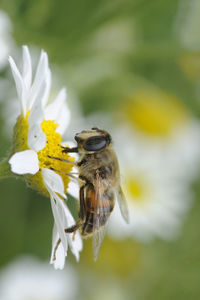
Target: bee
99, 180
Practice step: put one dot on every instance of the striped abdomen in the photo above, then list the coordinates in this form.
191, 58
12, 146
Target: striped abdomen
97, 209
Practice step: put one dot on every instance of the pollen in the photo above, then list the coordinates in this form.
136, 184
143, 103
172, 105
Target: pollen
53, 148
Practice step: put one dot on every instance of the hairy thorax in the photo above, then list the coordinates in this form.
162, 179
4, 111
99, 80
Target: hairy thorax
102, 164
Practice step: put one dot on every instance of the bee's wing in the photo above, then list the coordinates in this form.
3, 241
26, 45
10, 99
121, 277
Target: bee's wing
98, 237
98, 218
122, 204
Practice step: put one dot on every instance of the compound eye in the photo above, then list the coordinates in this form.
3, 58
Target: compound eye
95, 143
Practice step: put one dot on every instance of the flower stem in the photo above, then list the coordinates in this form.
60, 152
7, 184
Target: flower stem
5, 169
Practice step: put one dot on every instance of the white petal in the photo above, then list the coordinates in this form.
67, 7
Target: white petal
43, 89
69, 144
75, 243
36, 138
24, 162
64, 119
45, 97
64, 219
19, 84
54, 181
42, 93
36, 114
27, 68
59, 111
40, 77
73, 189
53, 184
58, 215
60, 254
73, 186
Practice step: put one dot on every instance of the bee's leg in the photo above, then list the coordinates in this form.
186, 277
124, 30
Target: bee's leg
70, 150
71, 175
71, 229
74, 228
81, 219
79, 222
62, 159
55, 249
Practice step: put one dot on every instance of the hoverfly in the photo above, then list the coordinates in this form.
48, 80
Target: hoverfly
99, 178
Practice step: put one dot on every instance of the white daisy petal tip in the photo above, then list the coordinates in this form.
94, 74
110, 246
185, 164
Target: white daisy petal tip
25, 53
10, 59
58, 256
77, 256
17, 78
27, 67
24, 162
44, 57
78, 246
59, 260
63, 93
75, 241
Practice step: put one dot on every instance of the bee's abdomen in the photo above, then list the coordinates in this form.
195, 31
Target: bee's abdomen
97, 214
94, 222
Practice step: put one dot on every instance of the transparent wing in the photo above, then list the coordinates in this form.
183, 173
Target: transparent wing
98, 237
100, 216
122, 204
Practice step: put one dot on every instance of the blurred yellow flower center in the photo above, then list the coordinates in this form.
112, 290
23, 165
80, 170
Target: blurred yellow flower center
135, 189
53, 148
156, 114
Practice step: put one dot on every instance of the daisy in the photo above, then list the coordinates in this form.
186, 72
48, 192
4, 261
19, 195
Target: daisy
157, 199
29, 278
160, 125
37, 138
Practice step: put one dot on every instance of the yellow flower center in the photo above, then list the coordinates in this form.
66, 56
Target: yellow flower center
156, 114
53, 148
137, 189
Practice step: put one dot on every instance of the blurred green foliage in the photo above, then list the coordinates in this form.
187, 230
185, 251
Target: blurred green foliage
65, 29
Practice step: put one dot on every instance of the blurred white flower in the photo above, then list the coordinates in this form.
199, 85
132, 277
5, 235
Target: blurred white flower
160, 125
5, 38
30, 279
187, 23
37, 138
157, 199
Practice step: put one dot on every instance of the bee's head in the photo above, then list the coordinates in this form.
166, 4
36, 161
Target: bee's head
92, 140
